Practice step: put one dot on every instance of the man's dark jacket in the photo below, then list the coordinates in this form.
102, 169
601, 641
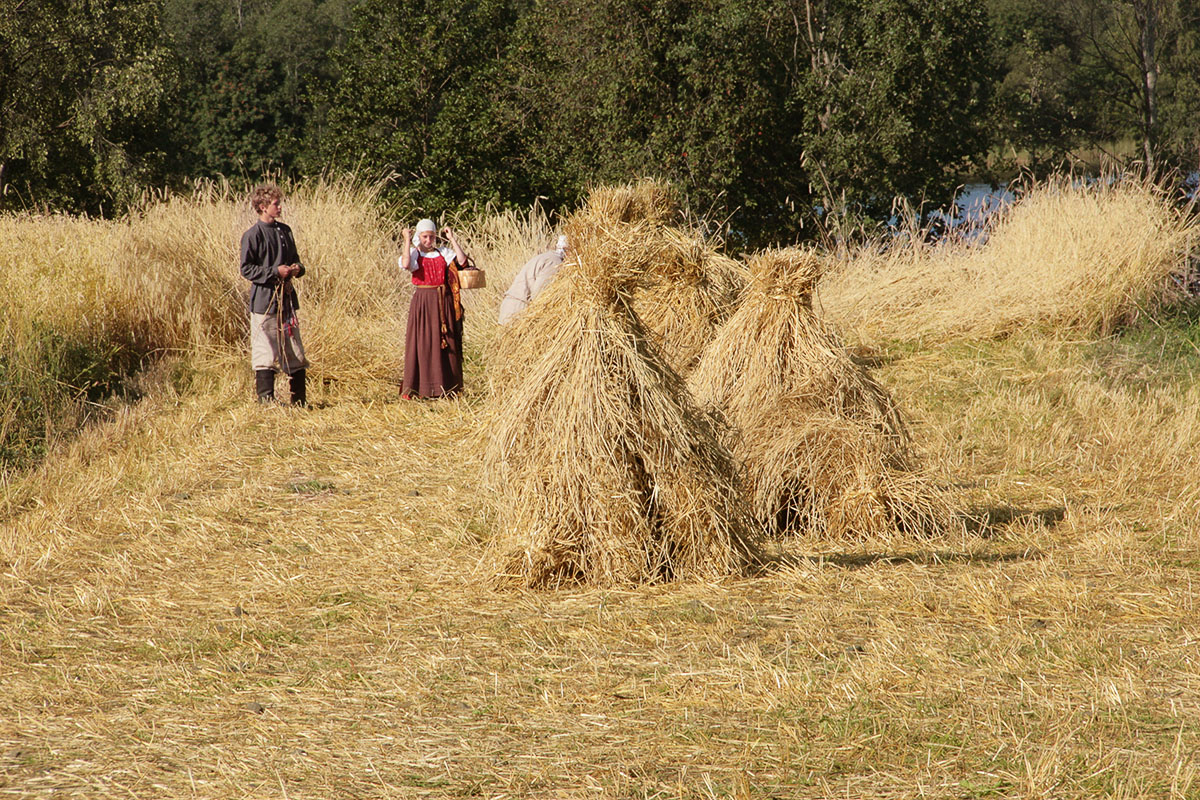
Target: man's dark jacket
264, 247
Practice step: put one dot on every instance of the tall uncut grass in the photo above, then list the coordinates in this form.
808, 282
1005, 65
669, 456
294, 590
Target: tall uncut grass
1085, 258
87, 303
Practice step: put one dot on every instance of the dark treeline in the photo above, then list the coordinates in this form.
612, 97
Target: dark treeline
766, 112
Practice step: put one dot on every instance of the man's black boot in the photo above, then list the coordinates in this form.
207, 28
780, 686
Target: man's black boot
296, 384
264, 385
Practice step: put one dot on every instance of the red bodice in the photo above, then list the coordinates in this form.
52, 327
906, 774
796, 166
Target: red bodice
431, 270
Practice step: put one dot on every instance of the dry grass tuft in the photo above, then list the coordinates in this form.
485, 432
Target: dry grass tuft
651, 201
602, 469
824, 446
166, 279
683, 288
1085, 258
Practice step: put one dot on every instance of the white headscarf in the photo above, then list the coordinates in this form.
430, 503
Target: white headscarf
422, 226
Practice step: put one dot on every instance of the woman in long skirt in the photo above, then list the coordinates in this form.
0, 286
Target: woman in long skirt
433, 339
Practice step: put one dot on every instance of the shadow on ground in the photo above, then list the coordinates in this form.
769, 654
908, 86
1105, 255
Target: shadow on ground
987, 522
984, 523
857, 560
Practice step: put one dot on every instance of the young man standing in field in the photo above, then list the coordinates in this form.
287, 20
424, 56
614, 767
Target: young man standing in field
270, 262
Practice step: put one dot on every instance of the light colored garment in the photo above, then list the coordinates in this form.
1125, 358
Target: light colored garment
530, 281
265, 344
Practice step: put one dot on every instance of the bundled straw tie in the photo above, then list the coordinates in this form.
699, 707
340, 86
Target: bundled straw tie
789, 275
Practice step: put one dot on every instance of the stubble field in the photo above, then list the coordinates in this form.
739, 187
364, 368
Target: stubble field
201, 597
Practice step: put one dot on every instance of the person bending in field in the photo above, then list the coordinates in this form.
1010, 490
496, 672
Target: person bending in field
531, 280
270, 262
433, 338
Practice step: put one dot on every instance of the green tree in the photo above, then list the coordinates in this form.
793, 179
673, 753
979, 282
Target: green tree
766, 113
415, 99
893, 94
83, 88
763, 112
1146, 49
244, 101
1090, 73
1179, 136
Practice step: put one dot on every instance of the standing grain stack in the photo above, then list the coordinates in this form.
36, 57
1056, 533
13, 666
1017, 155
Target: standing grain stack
684, 297
687, 296
601, 468
824, 449
650, 202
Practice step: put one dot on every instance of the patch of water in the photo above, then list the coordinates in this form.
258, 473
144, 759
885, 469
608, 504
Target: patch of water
967, 217
1191, 185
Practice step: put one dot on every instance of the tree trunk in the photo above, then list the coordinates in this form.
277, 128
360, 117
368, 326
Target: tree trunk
1146, 12
819, 58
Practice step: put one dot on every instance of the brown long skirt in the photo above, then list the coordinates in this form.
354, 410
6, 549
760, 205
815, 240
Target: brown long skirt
429, 369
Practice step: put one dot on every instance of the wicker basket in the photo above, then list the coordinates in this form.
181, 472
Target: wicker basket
472, 278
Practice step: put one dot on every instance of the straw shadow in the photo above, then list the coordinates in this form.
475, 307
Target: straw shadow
982, 522
986, 522
870, 358
856, 560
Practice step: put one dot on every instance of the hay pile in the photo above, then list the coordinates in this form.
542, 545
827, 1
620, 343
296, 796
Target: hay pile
824, 448
682, 295
601, 468
685, 295
651, 202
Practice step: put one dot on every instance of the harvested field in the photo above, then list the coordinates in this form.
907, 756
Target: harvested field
203, 598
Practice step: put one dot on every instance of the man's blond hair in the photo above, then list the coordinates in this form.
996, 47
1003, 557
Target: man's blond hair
263, 195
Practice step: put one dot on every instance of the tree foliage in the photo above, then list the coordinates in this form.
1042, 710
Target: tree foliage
83, 90
245, 104
769, 113
415, 99
761, 111
1089, 73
